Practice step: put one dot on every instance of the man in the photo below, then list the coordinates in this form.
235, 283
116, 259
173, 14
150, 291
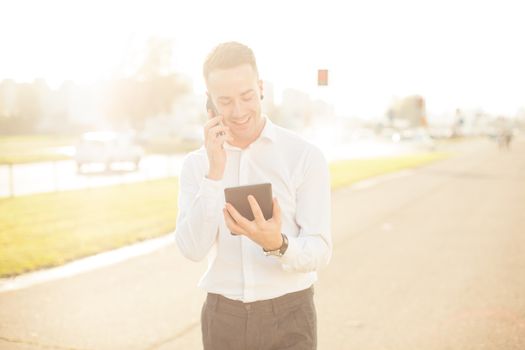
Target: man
260, 278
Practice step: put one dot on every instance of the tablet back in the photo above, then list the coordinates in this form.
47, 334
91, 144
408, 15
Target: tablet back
238, 197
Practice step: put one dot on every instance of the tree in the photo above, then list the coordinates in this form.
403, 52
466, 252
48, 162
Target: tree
151, 91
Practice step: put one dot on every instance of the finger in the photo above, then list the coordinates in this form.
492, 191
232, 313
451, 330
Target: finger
224, 131
237, 217
220, 138
217, 134
276, 212
212, 122
232, 225
215, 130
256, 209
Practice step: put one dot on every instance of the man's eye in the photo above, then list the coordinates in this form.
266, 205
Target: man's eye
247, 98
225, 103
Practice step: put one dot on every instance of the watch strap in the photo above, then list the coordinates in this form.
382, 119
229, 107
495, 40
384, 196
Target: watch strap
281, 250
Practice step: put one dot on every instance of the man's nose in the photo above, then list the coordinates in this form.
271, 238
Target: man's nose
236, 111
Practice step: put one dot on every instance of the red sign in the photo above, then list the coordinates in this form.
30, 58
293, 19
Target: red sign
322, 77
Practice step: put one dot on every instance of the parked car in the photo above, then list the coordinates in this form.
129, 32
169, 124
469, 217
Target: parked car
106, 147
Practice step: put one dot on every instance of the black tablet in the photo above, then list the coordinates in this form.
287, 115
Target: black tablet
238, 197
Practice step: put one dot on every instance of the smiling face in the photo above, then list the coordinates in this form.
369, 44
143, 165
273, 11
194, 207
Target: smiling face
236, 93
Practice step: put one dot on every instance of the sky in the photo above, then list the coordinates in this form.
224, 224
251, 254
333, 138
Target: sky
457, 54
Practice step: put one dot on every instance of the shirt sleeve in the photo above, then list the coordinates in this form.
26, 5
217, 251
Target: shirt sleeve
312, 248
199, 211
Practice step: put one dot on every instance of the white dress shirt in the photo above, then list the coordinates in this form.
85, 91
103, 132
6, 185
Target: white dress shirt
237, 267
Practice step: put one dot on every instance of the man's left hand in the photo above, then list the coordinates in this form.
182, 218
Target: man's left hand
266, 233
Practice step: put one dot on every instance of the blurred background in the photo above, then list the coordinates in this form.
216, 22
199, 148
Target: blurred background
101, 100
397, 71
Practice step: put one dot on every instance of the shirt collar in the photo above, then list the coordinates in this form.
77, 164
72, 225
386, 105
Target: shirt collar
268, 131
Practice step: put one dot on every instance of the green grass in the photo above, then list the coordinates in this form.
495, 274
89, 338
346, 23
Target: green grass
51, 229
347, 172
32, 148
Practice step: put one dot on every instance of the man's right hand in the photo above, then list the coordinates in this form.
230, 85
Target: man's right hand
215, 134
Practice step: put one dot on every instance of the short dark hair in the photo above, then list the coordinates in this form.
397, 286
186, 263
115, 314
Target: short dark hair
228, 55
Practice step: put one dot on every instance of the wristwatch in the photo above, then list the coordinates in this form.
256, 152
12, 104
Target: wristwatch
280, 251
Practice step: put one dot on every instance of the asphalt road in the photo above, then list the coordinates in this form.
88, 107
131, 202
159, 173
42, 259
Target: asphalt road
25, 179
433, 259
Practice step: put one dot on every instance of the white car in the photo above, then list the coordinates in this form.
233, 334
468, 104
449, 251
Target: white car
106, 147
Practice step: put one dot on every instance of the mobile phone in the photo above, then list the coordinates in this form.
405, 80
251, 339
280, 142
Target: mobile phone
211, 106
214, 113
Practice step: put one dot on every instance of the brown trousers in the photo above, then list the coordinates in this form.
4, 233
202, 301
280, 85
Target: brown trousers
288, 322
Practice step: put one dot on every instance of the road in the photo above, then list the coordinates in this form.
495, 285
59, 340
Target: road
62, 175
430, 260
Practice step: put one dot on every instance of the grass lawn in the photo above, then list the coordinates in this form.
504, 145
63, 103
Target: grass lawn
346, 172
51, 229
